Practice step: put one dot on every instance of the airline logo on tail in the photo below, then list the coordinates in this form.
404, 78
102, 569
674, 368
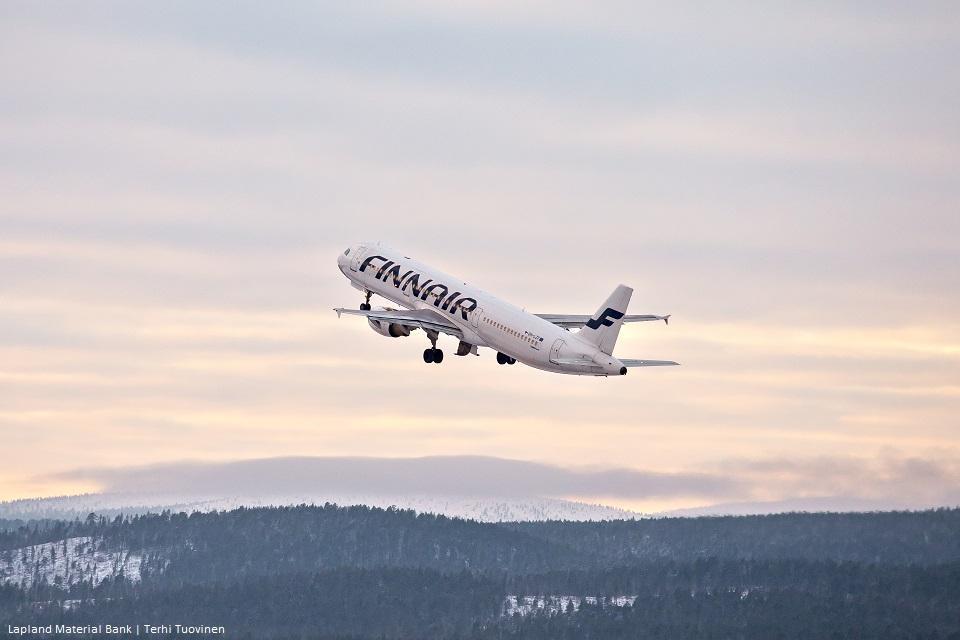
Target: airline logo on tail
606, 318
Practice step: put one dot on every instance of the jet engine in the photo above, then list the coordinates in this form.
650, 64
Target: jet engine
388, 329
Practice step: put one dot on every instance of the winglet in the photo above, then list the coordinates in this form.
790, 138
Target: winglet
666, 319
338, 312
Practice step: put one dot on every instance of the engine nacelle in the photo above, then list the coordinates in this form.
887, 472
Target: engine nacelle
388, 329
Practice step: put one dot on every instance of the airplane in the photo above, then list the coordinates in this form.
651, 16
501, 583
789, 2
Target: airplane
439, 303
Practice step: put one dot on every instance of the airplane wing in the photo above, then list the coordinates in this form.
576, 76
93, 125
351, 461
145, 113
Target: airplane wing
569, 321
417, 319
647, 363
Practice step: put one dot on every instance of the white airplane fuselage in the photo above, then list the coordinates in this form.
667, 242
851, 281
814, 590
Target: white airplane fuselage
483, 319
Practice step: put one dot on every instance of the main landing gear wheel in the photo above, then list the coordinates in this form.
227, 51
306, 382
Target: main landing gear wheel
503, 358
432, 356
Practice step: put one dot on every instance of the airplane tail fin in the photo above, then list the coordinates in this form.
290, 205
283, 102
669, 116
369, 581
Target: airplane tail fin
604, 327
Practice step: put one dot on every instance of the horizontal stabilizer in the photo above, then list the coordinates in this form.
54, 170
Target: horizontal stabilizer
573, 321
647, 363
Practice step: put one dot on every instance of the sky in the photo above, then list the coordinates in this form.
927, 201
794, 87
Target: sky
178, 178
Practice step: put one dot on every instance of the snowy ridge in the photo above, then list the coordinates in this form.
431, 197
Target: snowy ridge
492, 509
525, 605
66, 562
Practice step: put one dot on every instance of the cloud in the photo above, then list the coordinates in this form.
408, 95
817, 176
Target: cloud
830, 482
888, 478
435, 475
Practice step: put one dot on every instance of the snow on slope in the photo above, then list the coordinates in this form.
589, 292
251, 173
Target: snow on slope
66, 562
494, 509
525, 605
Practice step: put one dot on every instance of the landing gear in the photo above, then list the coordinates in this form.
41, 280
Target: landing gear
433, 354
503, 358
365, 306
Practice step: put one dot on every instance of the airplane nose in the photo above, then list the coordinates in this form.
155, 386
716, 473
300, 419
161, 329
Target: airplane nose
342, 264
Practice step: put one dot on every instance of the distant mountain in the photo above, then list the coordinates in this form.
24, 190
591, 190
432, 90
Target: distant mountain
493, 509
484, 488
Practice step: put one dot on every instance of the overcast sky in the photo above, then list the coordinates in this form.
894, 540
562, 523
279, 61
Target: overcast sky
177, 179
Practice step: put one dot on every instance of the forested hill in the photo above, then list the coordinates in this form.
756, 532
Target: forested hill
331, 536
283, 539
888, 537
312, 571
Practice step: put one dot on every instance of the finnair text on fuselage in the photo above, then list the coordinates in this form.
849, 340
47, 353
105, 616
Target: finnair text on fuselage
389, 272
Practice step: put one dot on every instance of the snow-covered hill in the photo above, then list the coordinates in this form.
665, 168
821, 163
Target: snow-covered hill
494, 509
66, 562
